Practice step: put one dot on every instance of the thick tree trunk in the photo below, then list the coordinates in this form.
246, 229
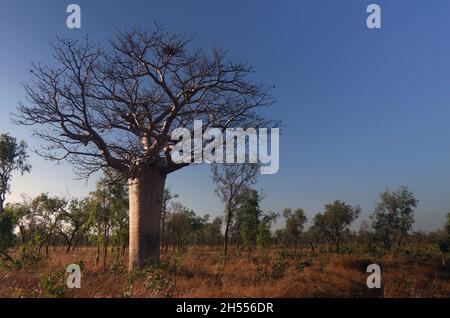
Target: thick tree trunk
146, 198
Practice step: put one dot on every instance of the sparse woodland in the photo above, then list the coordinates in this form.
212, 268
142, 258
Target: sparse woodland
320, 257
111, 111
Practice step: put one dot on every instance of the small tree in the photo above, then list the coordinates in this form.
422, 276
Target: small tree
7, 237
334, 222
393, 216
49, 213
231, 181
444, 243
38, 221
250, 213
295, 223
364, 232
213, 232
168, 196
74, 223
182, 226
27, 222
13, 157
101, 220
264, 235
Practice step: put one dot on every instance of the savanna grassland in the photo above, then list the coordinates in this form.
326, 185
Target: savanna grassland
200, 272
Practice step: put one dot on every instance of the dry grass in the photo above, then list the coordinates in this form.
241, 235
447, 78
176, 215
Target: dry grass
199, 272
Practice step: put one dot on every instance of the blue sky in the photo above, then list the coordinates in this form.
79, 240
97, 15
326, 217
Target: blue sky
362, 110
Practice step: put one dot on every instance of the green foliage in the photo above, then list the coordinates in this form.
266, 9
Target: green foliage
38, 220
249, 214
13, 157
128, 292
334, 222
156, 279
444, 246
108, 214
300, 264
117, 267
53, 284
295, 223
7, 223
74, 222
80, 263
158, 282
30, 257
393, 217
212, 231
444, 242
182, 225
280, 266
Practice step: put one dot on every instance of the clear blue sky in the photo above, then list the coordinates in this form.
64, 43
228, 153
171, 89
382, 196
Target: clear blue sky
362, 109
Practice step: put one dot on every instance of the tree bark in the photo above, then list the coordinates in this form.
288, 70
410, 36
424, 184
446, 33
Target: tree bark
97, 254
146, 198
105, 251
225, 244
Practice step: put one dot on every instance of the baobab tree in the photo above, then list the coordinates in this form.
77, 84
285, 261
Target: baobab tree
116, 107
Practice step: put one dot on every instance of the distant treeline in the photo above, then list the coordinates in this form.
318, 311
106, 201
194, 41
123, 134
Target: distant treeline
101, 221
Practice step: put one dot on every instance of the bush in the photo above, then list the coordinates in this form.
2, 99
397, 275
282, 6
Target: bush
280, 267
29, 257
159, 283
7, 223
117, 267
54, 284
301, 265
80, 263
157, 280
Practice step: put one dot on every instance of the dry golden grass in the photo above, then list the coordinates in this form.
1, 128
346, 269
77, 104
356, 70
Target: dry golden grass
199, 272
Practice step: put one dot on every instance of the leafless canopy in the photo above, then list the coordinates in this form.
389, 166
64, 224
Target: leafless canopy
232, 180
116, 106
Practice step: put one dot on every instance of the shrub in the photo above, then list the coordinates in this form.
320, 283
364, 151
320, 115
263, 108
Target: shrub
80, 263
301, 265
29, 257
117, 267
54, 284
157, 280
7, 223
280, 267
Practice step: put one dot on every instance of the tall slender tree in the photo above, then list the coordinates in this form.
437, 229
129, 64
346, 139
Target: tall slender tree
13, 157
250, 214
168, 196
232, 180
